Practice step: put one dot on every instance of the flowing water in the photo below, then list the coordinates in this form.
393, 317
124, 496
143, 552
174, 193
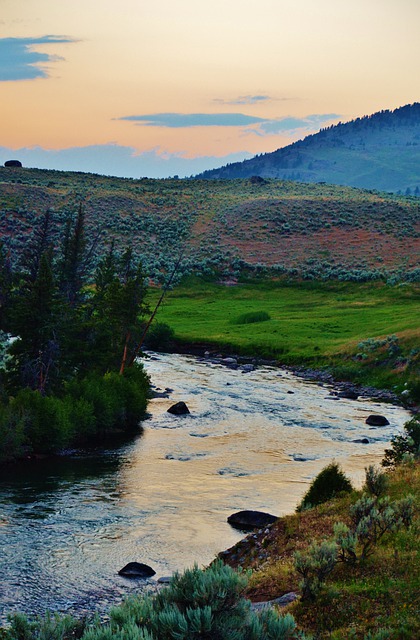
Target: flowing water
252, 441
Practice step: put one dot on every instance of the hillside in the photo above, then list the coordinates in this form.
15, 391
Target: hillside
296, 229
381, 151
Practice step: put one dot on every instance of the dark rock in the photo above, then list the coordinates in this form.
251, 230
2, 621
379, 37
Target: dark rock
349, 394
247, 368
362, 440
165, 580
290, 392
376, 421
248, 520
13, 163
136, 570
179, 409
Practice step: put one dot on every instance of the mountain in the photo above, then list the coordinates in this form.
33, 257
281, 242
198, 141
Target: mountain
222, 226
381, 151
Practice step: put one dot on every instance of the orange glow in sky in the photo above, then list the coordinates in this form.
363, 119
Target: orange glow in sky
199, 77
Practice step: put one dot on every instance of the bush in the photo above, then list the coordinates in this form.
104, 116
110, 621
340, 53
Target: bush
12, 434
373, 517
251, 317
330, 482
160, 337
405, 444
206, 605
376, 481
314, 566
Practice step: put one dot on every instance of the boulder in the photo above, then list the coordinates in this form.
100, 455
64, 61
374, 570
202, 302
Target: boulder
349, 394
136, 570
376, 420
361, 440
13, 163
248, 520
179, 409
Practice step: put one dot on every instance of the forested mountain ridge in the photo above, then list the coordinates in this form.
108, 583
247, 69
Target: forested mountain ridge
380, 151
223, 227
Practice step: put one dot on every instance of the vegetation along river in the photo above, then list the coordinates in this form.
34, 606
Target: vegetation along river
253, 441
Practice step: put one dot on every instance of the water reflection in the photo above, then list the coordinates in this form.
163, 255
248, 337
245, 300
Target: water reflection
68, 525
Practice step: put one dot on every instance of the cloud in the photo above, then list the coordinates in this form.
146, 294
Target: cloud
250, 124
117, 160
18, 60
245, 100
185, 120
292, 125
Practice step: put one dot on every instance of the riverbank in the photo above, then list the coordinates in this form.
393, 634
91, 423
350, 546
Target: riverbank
340, 388
380, 592
364, 333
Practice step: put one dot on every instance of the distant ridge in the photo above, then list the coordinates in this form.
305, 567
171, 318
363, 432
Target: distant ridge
380, 151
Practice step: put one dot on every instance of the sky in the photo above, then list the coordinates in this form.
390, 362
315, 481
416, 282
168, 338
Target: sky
172, 87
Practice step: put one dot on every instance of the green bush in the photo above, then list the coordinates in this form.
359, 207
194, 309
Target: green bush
12, 434
160, 337
404, 444
97, 404
376, 482
314, 566
196, 605
251, 317
329, 482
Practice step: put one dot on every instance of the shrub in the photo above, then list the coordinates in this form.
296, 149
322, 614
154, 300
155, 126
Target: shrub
372, 518
206, 605
251, 317
404, 444
376, 482
328, 483
12, 434
160, 337
314, 566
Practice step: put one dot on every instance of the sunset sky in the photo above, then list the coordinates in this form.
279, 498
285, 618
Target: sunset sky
164, 87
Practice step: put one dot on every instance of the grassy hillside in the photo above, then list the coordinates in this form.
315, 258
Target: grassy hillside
310, 323
381, 592
381, 151
310, 231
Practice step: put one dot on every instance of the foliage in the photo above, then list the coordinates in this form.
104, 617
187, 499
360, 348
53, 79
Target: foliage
50, 627
229, 228
376, 482
329, 482
160, 337
65, 375
314, 566
373, 517
407, 444
196, 604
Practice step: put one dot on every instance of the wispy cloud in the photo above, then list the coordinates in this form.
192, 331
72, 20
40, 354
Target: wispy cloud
292, 125
244, 100
250, 124
185, 120
18, 60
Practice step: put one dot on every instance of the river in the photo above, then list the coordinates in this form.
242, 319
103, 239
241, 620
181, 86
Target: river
252, 441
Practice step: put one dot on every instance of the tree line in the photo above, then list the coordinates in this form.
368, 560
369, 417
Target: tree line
69, 341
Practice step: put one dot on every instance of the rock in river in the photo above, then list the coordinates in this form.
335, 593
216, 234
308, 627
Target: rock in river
247, 520
136, 570
376, 420
179, 409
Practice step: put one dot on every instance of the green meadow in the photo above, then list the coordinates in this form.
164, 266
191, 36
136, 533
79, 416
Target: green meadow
313, 324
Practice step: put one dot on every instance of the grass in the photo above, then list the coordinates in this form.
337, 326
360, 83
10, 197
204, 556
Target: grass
381, 592
314, 324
